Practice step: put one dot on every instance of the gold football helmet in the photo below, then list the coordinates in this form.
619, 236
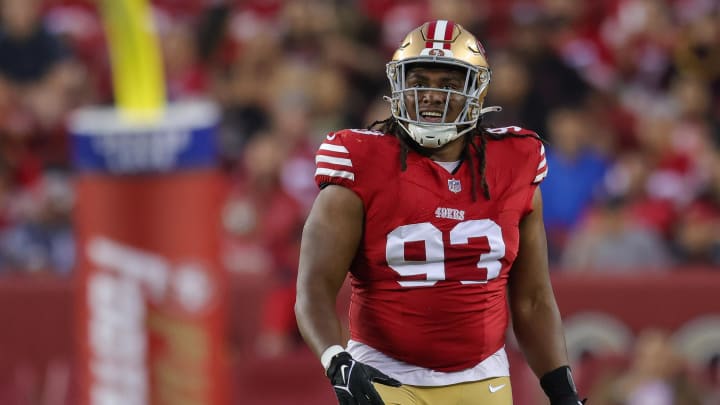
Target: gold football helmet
439, 42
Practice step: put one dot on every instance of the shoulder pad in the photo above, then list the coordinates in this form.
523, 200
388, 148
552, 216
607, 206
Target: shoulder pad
366, 132
513, 130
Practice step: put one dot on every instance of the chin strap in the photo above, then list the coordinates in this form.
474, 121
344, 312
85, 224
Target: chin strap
432, 136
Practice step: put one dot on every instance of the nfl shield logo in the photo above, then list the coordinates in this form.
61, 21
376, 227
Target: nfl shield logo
454, 185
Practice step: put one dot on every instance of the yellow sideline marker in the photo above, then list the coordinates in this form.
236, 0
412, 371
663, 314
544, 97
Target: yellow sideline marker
138, 78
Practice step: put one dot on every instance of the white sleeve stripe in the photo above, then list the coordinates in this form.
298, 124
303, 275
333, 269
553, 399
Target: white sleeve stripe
542, 149
542, 164
540, 176
333, 160
333, 148
334, 173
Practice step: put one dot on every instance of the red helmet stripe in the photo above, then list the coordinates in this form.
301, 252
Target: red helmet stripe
440, 32
430, 34
448, 34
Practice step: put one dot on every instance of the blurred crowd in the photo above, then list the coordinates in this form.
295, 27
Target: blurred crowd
625, 92
653, 373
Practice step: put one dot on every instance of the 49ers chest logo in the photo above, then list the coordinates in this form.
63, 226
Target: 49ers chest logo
450, 213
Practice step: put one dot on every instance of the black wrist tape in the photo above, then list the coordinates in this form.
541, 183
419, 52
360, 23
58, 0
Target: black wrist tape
558, 383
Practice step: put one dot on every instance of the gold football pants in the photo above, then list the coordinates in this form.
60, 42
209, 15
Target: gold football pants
493, 391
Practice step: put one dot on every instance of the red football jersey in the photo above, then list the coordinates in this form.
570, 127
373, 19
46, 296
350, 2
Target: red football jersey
428, 280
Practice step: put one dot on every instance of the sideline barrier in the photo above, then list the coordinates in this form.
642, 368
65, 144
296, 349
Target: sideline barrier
39, 311
603, 314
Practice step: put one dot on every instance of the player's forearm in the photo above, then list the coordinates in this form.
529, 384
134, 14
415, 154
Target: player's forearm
538, 329
317, 318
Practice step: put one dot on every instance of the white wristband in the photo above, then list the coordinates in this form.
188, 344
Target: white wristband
329, 353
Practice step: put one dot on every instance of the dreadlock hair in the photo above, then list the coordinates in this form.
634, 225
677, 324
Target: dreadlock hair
390, 126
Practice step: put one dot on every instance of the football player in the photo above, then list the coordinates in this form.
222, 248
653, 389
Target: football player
438, 220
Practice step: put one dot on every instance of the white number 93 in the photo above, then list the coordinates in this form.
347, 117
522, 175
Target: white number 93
434, 264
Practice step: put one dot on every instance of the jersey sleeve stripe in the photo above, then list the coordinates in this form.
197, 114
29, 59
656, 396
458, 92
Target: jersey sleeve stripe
542, 164
540, 176
334, 148
321, 171
542, 168
333, 160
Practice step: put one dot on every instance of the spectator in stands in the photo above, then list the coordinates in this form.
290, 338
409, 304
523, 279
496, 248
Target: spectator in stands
610, 241
656, 375
654, 178
511, 89
242, 91
578, 172
535, 34
40, 238
696, 237
262, 235
37, 75
185, 75
698, 49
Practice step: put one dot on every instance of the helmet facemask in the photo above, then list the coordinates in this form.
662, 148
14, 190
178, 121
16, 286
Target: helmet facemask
405, 101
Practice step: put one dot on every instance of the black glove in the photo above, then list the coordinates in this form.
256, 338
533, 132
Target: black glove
353, 380
560, 387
